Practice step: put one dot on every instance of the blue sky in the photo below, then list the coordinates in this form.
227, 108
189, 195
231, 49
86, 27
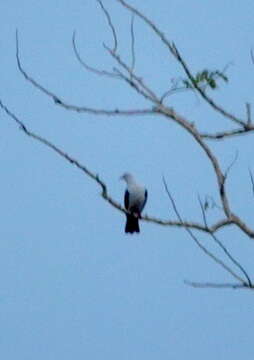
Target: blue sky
73, 285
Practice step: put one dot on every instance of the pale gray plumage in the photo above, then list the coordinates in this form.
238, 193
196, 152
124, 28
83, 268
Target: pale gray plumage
134, 201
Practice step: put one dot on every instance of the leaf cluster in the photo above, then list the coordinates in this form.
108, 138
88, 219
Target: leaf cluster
204, 79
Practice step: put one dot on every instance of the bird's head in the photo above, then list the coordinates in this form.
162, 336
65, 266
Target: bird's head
127, 177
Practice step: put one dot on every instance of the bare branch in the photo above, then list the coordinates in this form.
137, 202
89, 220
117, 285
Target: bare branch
252, 181
174, 51
218, 285
169, 112
248, 111
203, 94
110, 24
227, 134
223, 247
149, 23
159, 109
86, 66
132, 83
200, 245
188, 224
79, 109
149, 94
114, 112
237, 221
220, 224
173, 90
231, 165
133, 57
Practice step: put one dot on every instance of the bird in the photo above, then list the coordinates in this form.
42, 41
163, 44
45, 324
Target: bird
135, 198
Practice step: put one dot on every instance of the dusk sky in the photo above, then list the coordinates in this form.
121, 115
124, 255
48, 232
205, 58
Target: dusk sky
73, 284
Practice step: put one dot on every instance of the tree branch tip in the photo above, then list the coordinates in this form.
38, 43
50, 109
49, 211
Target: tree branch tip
207, 285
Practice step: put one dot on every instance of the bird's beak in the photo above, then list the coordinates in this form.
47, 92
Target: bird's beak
121, 178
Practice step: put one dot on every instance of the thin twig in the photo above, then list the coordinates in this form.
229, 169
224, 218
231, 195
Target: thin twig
174, 51
252, 181
85, 65
172, 91
149, 93
58, 101
223, 247
169, 112
217, 285
248, 112
158, 109
227, 134
220, 224
130, 80
110, 24
133, 57
200, 245
231, 165
203, 94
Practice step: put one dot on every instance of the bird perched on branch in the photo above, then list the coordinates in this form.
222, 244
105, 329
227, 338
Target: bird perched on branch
134, 201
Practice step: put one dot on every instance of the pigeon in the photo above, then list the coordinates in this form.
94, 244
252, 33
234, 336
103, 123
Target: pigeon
134, 201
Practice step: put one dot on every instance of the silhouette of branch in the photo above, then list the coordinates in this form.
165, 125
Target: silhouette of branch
148, 93
248, 112
174, 51
203, 94
231, 165
158, 109
223, 247
133, 57
110, 23
88, 67
228, 134
169, 112
217, 226
252, 181
79, 109
199, 244
173, 90
218, 285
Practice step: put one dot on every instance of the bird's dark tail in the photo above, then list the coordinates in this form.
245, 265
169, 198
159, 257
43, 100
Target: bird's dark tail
132, 224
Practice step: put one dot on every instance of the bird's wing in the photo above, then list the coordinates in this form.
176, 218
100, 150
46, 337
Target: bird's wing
145, 200
126, 199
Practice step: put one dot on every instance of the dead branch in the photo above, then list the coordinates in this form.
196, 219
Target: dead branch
159, 109
252, 181
228, 134
80, 109
248, 112
110, 23
147, 93
174, 51
218, 285
169, 112
231, 165
133, 56
217, 226
223, 247
85, 65
198, 243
